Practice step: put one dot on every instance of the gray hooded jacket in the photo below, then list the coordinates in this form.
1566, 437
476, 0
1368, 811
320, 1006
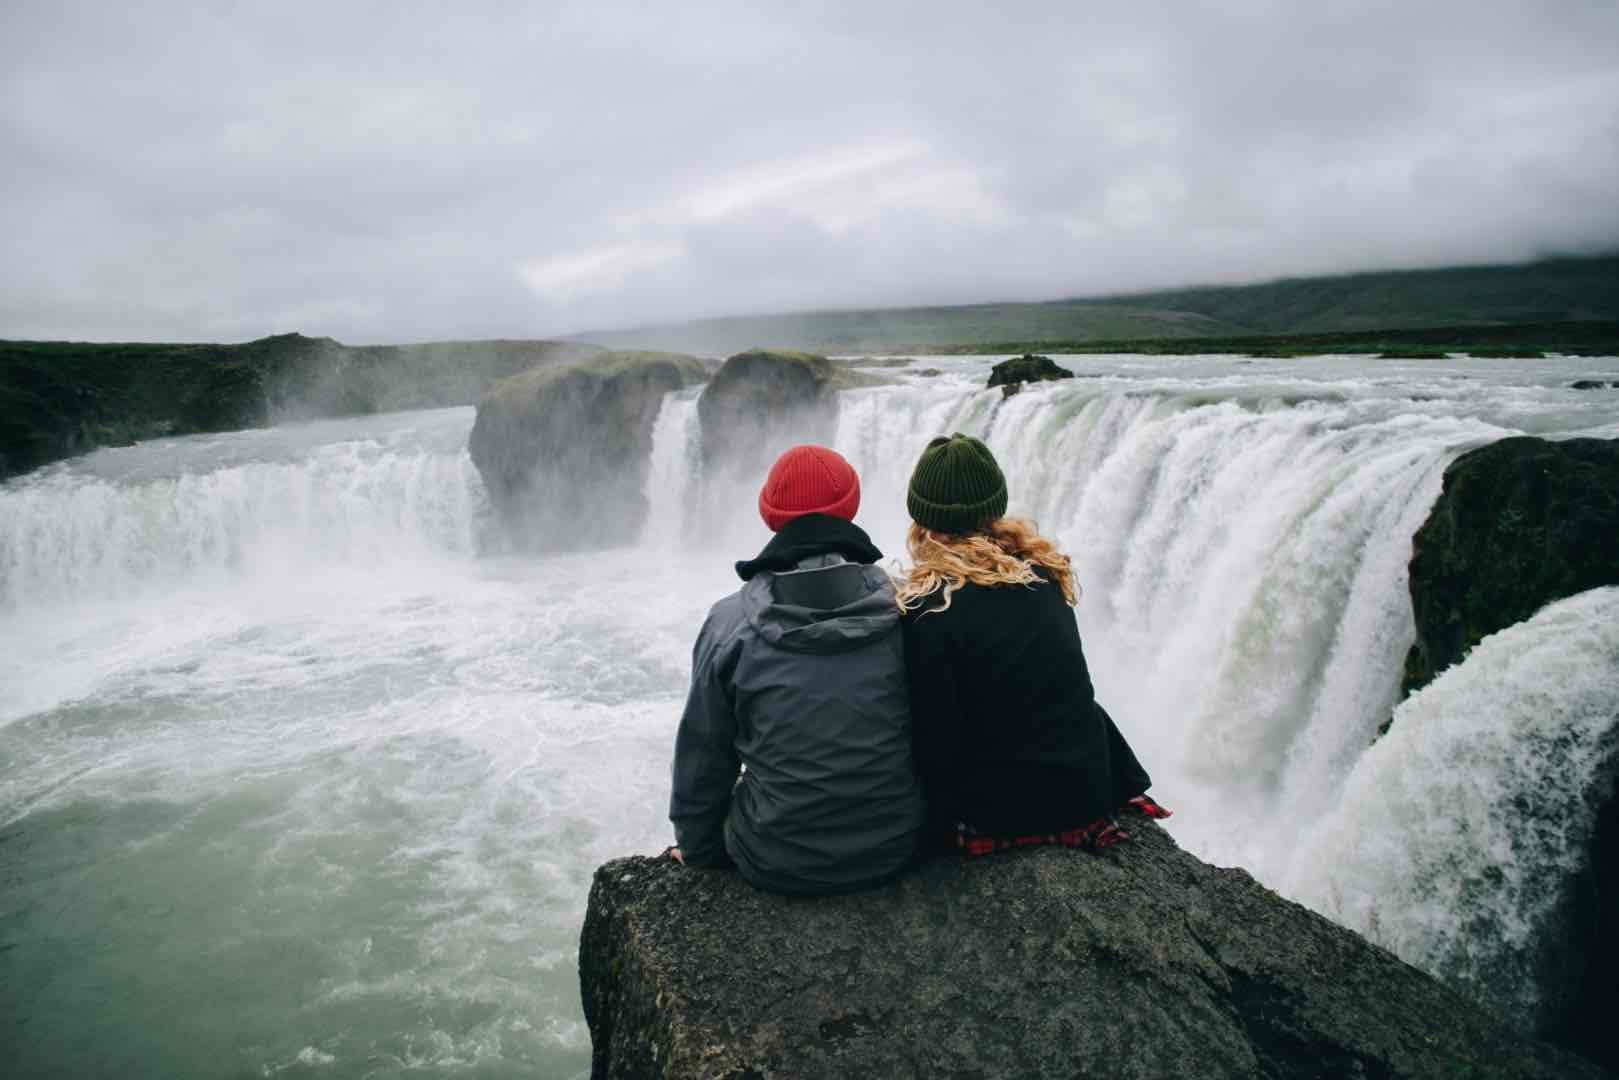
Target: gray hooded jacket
799, 677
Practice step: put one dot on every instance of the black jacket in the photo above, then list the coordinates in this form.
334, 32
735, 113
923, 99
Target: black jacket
800, 676
1008, 735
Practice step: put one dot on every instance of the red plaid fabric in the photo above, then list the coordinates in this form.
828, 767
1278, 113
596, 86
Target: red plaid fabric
1101, 833
1144, 804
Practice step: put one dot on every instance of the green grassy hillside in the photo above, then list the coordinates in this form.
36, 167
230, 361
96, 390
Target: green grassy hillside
1550, 291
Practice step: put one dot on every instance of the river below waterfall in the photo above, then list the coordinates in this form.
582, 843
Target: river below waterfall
303, 773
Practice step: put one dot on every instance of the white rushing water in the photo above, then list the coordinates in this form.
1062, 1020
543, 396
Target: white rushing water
1459, 834
299, 776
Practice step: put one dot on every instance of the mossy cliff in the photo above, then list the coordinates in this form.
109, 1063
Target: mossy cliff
564, 451
1141, 961
58, 398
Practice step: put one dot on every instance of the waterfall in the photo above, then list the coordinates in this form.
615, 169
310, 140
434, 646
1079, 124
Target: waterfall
1242, 558
1459, 833
673, 472
1241, 551
114, 525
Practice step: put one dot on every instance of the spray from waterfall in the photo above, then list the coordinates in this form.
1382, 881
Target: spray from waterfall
1459, 835
116, 525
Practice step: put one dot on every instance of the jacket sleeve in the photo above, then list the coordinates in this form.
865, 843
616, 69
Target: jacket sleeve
706, 762
936, 727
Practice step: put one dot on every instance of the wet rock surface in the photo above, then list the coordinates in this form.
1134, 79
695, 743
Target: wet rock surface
1520, 523
564, 451
1010, 375
763, 401
1141, 961
758, 404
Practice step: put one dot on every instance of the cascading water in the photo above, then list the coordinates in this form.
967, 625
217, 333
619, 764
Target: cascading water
296, 773
1459, 835
675, 469
246, 505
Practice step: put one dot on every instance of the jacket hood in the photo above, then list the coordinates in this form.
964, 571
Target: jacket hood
871, 614
811, 534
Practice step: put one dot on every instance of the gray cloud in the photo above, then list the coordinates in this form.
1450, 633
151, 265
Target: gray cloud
393, 172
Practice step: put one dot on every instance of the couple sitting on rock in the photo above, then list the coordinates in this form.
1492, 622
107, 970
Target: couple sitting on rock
870, 725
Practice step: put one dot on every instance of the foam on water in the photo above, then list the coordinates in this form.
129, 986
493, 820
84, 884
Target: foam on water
269, 704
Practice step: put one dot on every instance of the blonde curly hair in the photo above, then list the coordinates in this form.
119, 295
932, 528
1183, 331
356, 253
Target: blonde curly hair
1003, 552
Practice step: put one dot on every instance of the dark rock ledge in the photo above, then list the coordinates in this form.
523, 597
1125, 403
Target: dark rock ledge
1010, 375
1139, 962
1521, 522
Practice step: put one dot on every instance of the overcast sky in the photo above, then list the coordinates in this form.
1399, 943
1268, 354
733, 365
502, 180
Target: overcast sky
399, 172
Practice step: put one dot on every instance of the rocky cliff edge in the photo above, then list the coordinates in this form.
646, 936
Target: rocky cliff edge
1141, 961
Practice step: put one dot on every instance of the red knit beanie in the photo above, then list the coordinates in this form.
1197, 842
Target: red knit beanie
809, 480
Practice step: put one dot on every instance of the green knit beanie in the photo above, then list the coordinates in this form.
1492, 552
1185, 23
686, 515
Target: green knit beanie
956, 486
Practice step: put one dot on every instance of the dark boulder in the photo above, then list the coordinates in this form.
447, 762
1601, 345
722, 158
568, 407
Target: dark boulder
564, 451
1139, 962
1010, 375
758, 404
762, 401
1520, 523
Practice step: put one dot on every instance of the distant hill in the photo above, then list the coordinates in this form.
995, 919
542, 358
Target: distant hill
1549, 291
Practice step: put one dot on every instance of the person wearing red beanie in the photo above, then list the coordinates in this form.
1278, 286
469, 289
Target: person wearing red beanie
793, 757
809, 480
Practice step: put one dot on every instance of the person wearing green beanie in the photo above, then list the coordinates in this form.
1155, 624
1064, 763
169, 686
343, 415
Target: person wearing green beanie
1010, 742
956, 485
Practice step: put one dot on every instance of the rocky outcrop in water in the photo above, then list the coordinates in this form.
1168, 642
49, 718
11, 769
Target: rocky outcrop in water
1138, 962
1520, 523
758, 404
564, 451
1010, 375
762, 401
62, 398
